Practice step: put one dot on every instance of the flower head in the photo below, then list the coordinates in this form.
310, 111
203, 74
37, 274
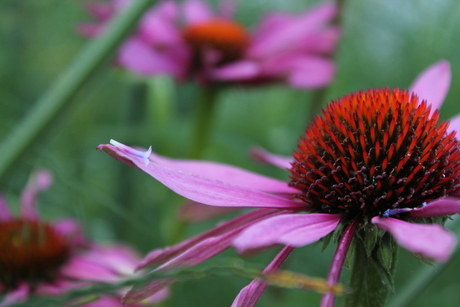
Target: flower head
42, 258
374, 159
189, 40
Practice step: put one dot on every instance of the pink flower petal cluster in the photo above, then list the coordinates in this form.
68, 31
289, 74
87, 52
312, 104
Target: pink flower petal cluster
283, 47
84, 263
280, 218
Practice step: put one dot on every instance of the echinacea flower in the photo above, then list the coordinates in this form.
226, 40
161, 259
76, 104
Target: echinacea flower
189, 40
376, 164
50, 259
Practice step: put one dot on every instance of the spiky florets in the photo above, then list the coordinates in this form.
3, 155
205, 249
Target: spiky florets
375, 150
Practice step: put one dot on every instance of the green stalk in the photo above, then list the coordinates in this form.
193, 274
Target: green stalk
66, 86
370, 288
203, 121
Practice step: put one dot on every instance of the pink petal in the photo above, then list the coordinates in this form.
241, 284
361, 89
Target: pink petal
289, 229
196, 11
71, 230
191, 211
301, 71
433, 84
432, 241
201, 251
144, 292
286, 37
440, 207
200, 189
250, 294
136, 55
454, 125
5, 213
159, 256
159, 26
116, 258
16, 296
237, 71
226, 173
264, 156
80, 268
40, 180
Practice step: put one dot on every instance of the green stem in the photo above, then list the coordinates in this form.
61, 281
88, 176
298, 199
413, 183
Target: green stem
418, 283
134, 118
71, 80
369, 285
203, 121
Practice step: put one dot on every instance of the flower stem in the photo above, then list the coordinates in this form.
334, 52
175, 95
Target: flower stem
66, 86
337, 263
203, 121
369, 279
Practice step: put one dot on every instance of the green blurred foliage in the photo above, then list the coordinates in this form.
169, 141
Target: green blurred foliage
385, 44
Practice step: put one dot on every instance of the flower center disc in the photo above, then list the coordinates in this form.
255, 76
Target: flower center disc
228, 38
373, 151
30, 252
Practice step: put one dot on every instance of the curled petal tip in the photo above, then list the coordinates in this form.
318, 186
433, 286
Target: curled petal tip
144, 155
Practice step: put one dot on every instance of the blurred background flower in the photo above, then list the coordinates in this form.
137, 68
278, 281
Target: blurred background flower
51, 259
188, 39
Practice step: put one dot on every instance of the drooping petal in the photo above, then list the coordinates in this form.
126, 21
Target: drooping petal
192, 211
143, 292
309, 73
264, 156
454, 125
429, 240
159, 26
117, 258
250, 294
143, 59
16, 296
281, 38
226, 173
39, 181
440, 207
159, 256
81, 268
340, 255
201, 251
202, 189
433, 84
71, 230
5, 213
289, 229
242, 70
196, 11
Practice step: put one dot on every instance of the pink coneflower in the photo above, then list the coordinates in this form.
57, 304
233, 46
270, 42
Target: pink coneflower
49, 259
189, 40
375, 163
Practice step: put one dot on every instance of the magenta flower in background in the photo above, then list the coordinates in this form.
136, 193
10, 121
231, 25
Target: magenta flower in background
375, 162
188, 39
49, 259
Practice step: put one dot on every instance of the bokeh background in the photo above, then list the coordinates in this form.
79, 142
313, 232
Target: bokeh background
384, 44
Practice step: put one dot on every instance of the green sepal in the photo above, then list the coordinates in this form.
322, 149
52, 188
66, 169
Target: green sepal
372, 236
386, 251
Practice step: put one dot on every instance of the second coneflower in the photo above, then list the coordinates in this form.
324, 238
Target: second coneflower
377, 167
190, 40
